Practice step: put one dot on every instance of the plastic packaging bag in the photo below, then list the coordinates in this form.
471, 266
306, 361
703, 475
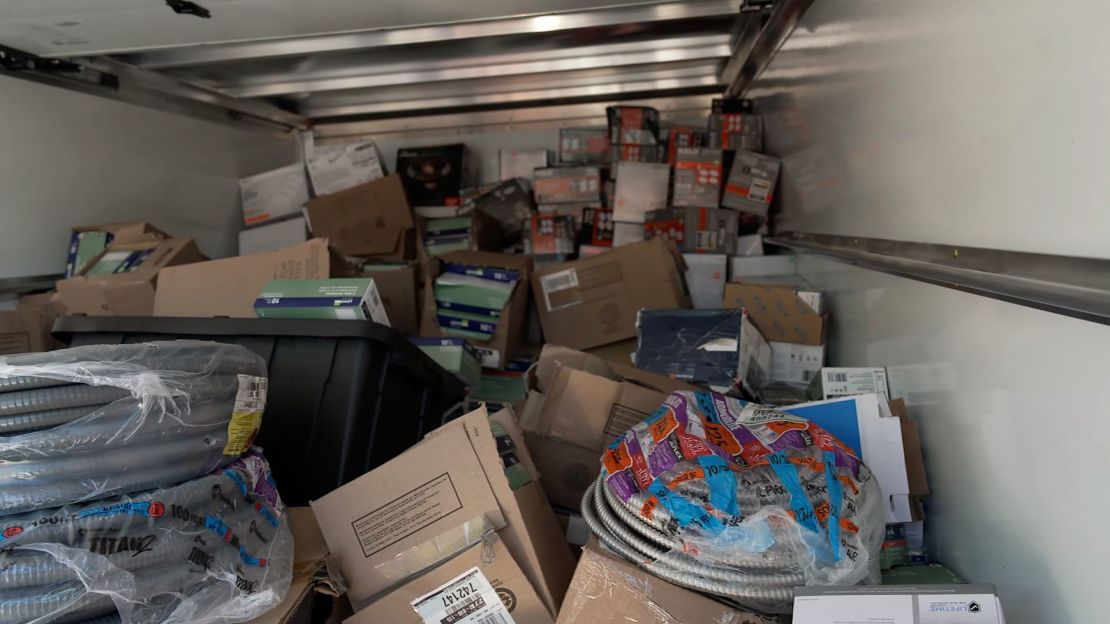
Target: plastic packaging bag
213, 550
90, 422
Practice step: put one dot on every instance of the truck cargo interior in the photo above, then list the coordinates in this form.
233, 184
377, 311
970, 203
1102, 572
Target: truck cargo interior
553, 311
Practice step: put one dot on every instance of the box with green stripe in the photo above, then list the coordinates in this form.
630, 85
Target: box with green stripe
340, 298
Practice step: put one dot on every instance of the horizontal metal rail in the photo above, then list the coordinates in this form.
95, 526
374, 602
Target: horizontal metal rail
1067, 285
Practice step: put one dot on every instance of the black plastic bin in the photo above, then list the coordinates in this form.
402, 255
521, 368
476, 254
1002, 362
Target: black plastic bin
345, 396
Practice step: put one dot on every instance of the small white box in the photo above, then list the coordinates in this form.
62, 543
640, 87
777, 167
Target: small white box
273, 236
904, 604
334, 168
705, 276
520, 162
641, 188
273, 194
842, 382
796, 363
749, 245
627, 233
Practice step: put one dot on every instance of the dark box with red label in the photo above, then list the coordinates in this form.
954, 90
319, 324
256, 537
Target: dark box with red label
695, 230
433, 176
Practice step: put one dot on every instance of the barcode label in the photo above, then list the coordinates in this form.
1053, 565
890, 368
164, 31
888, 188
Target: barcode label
467, 599
251, 396
555, 282
759, 190
841, 377
246, 418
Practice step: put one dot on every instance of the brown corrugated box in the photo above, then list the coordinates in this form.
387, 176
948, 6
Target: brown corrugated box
778, 313
397, 288
369, 220
609, 590
592, 302
439, 497
229, 287
131, 293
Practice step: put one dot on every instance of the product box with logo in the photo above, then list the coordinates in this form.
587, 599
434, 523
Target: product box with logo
610, 590
597, 227
718, 348
584, 145
591, 302
482, 296
836, 382
334, 168
520, 162
273, 236
898, 604
733, 125
550, 237
433, 176
350, 299
371, 220
87, 242
510, 203
228, 287
437, 500
698, 173
475, 231
567, 185
680, 137
397, 286
705, 277
273, 194
576, 404
122, 280
751, 182
695, 230
641, 188
627, 233
633, 125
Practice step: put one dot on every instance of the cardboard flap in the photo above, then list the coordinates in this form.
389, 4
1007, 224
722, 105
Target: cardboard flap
542, 374
911, 446
368, 219
568, 413
777, 313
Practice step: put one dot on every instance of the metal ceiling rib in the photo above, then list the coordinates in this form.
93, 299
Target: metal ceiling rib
639, 52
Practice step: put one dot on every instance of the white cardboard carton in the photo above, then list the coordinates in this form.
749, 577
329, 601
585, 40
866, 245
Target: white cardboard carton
273, 236
273, 194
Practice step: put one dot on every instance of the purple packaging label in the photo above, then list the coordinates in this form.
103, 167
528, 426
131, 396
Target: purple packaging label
663, 457
622, 485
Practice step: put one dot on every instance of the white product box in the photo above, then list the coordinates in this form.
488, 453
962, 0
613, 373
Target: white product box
273, 194
626, 233
796, 363
333, 168
273, 236
521, 161
749, 245
842, 382
641, 188
705, 276
902, 604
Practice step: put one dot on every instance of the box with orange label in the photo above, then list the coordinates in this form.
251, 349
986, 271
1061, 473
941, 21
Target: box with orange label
695, 230
698, 172
567, 185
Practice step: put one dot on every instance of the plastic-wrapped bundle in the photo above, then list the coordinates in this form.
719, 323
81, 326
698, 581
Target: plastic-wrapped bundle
91, 422
738, 500
215, 549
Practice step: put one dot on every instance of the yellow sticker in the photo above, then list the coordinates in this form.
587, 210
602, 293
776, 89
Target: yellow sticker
241, 432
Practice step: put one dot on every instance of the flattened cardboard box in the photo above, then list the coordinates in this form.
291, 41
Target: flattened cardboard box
609, 590
496, 564
591, 302
368, 220
228, 287
126, 294
778, 313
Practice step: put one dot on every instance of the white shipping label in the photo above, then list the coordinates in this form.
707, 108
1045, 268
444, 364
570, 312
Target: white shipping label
466, 599
251, 396
555, 282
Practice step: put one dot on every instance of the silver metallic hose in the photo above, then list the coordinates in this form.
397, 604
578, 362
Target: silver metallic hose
59, 397
34, 421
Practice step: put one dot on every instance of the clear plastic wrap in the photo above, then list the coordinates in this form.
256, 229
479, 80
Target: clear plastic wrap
739, 500
213, 550
90, 422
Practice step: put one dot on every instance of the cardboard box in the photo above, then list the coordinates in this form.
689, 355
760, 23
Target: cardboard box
592, 400
641, 188
623, 352
609, 590
749, 245
16, 333
751, 183
567, 185
549, 234
584, 145
495, 587
228, 287
520, 162
455, 355
369, 220
350, 298
705, 277
796, 363
898, 604
476, 231
397, 287
638, 153
508, 336
591, 302
273, 194
778, 313
130, 292
87, 242
39, 312
434, 175
273, 236
698, 173
435, 501
695, 230
734, 125
334, 168
633, 125
311, 581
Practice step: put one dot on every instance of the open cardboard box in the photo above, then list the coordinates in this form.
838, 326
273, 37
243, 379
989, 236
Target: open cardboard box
434, 502
371, 220
508, 336
778, 313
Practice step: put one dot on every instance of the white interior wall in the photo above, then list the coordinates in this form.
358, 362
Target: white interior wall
970, 123
69, 159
